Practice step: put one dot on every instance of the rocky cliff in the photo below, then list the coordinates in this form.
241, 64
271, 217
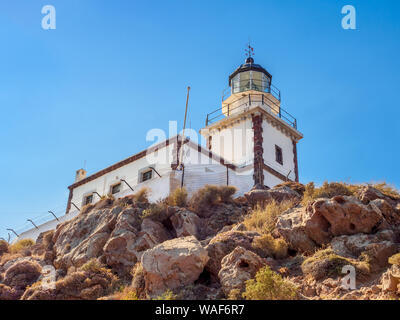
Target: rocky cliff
289, 242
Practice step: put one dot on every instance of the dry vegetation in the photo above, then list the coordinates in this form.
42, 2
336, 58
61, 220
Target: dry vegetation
268, 285
209, 196
178, 197
21, 245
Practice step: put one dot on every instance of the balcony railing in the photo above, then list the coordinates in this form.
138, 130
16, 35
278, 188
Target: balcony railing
246, 102
251, 84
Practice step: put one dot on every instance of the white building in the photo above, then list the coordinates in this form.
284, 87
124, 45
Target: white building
251, 142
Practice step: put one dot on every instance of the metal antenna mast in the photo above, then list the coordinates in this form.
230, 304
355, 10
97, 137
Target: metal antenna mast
183, 131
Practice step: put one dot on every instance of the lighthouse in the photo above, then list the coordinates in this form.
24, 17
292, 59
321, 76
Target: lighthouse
251, 129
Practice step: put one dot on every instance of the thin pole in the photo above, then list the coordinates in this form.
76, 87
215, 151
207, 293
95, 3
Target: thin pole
184, 127
127, 184
13, 232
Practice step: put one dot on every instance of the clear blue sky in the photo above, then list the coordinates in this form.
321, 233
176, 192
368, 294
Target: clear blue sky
91, 89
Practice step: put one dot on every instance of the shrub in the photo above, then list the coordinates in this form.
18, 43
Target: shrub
234, 294
178, 197
94, 266
167, 295
267, 246
3, 247
327, 264
263, 218
328, 190
387, 190
204, 198
21, 245
211, 195
226, 192
269, 285
126, 293
155, 211
395, 259
142, 195
295, 186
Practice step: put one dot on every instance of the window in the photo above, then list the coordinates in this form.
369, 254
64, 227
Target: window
88, 199
116, 188
278, 155
147, 175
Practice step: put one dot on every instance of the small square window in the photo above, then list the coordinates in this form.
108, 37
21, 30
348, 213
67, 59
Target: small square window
116, 188
278, 154
147, 175
88, 199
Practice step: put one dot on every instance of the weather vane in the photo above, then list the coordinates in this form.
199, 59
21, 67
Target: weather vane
249, 51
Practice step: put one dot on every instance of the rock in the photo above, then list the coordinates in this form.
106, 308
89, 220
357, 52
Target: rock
379, 246
83, 238
89, 282
223, 244
237, 267
186, 223
278, 194
173, 264
21, 274
151, 234
284, 193
291, 225
8, 293
324, 219
390, 213
258, 196
222, 216
118, 250
390, 280
368, 194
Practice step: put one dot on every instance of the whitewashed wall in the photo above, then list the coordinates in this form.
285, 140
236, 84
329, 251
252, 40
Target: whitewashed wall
161, 161
235, 143
271, 137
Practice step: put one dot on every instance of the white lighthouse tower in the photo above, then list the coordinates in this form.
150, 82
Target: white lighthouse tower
252, 130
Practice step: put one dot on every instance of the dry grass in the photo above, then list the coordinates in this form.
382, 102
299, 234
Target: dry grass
21, 245
211, 195
387, 190
142, 195
125, 293
3, 247
167, 295
395, 259
268, 246
178, 198
263, 218
328, 190
155, 211
298, 187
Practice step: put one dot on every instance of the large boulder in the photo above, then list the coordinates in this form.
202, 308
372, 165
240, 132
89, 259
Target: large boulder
324, 219
173, 264
89, 282
83, 238
21, 274
223, 244
277, 194
118, 250
185, 223
237, 267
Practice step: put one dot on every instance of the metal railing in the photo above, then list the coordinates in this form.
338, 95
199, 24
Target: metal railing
246, 101
251, 84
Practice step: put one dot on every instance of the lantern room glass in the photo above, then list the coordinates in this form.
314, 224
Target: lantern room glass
250, 80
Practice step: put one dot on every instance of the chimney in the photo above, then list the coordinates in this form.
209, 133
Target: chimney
80, 175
